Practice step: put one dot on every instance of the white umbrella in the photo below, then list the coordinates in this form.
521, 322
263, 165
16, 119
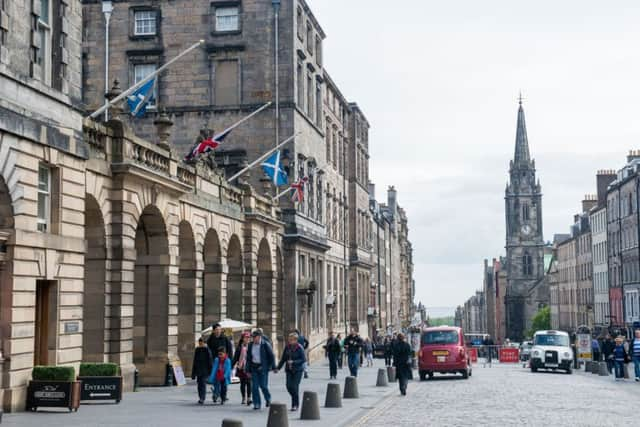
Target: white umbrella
234, 325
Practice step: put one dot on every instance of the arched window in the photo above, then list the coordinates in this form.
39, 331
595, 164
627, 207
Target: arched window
527, 265
525, 212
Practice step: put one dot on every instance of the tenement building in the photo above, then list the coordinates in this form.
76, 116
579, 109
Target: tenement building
112, 248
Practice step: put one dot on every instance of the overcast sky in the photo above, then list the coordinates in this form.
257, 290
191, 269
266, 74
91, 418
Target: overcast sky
439, 82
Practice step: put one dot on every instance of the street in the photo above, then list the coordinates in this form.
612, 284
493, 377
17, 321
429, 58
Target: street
508, 395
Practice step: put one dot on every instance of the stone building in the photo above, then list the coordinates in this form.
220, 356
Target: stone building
584, 264
524, 242
489, 290
567, 285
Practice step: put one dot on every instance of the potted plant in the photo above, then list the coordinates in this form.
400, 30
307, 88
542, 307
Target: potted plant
100, 381
53, 386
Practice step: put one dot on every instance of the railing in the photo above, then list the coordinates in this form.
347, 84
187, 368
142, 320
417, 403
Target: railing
149, 156
186, 175
233, 195
95, 135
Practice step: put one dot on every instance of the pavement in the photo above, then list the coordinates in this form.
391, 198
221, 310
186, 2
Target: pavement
510, 395
177, 406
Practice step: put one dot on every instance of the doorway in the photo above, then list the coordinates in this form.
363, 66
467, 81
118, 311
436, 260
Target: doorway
46, 321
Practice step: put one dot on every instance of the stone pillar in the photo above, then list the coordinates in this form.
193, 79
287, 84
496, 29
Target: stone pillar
250, 280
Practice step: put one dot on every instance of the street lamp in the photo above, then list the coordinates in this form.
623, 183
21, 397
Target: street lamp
107, 9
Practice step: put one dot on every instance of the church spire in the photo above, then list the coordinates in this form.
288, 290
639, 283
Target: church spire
522, 144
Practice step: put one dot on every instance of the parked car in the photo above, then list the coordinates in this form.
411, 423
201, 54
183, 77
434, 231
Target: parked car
443, 350
525, 350
551, 350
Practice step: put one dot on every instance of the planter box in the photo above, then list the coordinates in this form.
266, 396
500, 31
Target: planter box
53, 394
101, 388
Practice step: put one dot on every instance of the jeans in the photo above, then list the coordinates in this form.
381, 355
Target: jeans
354, 362
609, 364
619, 368
596, 355
260, 381
245, 388
202, 387
636, 365
340, 360
220, 390
293, 387
387, 359
333, 365
403, 380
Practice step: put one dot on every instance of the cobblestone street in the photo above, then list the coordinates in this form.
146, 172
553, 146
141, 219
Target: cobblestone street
508, 395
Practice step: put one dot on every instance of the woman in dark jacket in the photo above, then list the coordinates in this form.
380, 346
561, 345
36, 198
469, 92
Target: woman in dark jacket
402, 361
201, 369
241, 361
294, 358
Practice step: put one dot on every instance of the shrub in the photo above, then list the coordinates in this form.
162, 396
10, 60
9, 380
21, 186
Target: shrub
54, 373
99, 370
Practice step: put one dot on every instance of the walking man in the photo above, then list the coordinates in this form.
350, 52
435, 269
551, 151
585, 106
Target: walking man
262, 361
634, 349
388, 351
402, 361
294, 358
595, 349
201, 369
607, 351
217, 340
353, 347
334, 350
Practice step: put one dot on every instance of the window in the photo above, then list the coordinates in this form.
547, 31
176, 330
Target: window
527, 266
309, 38
318, 51
300, 23
318, 104
43, 53
309, 95
328, 142
525, 212
227, 19
145, 23
227, 78
44, 198
140, 71
300, 80
302, 266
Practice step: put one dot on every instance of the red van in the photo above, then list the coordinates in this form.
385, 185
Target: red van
442, 349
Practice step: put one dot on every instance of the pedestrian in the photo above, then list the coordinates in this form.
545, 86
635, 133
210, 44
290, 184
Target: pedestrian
353, 347
595, 350
294, 358
304, 342
262, 361
607, 352
620, 358
241, 364
201, 369
634, 349
368, 352
218, 339
220, 376
388, 352
402, 361
334, 352
341, 357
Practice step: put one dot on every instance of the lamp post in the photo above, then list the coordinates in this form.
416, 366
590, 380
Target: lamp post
107, 9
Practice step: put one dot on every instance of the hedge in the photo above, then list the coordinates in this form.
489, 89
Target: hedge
54, 373
99, 370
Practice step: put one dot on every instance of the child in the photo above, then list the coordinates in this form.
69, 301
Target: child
620, 357
201, 369
220, 376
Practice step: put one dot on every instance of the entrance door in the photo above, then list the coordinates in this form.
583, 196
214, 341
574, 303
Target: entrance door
46, 319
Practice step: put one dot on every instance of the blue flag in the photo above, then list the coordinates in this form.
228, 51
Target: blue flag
140, 98
273, 168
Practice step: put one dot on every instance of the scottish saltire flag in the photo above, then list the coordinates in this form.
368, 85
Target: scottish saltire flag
273, 168
298, 189
140, 98
207, 145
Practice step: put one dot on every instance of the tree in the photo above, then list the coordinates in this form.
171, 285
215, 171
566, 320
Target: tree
541, 321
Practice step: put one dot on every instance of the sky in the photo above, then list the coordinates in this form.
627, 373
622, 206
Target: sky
439, 82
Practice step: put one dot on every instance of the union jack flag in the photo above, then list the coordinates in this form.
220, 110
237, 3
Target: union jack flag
298, 189
207, 145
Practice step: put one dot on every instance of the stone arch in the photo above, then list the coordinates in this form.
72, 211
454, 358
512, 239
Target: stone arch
151, 297
234, 279
265, 290
93, 336
186, 294
212, 286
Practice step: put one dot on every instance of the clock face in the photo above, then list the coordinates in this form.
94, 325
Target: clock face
526, 229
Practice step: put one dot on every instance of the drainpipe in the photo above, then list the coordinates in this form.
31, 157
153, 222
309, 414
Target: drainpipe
107, 9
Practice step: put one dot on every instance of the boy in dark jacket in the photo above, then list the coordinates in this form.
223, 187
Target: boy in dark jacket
201, 369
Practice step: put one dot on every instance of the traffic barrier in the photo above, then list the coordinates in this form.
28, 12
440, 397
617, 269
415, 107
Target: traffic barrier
382, 378
391, 374
310, 407
509, 355
333, 398
350, 388
278, 415
228, 422
603, 371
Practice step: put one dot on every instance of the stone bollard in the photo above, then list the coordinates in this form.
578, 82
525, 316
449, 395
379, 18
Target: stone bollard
391, 374
587, 366
228, 422
603, 371
382, 379
626, 371
350, 388
333, 398
310, 407
278, 415
595, 368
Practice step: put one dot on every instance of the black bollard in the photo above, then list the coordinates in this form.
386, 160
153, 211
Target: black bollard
350, 388
333, 398
391, 374
228, 422
310, 406
278, 415
382, 379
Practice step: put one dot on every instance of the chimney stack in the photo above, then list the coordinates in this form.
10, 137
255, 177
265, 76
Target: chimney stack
372, 191
633, 155
392, 196
589, 202
603, 179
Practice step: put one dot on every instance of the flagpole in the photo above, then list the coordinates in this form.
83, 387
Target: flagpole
143, 81
244, 119
264, 156
277, 197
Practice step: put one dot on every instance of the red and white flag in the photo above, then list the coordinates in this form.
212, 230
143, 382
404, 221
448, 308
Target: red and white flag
298, 189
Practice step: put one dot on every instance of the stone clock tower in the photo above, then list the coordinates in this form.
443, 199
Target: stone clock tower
525, 244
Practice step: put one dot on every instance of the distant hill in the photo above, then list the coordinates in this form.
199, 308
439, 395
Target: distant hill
439, 321
441, 311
